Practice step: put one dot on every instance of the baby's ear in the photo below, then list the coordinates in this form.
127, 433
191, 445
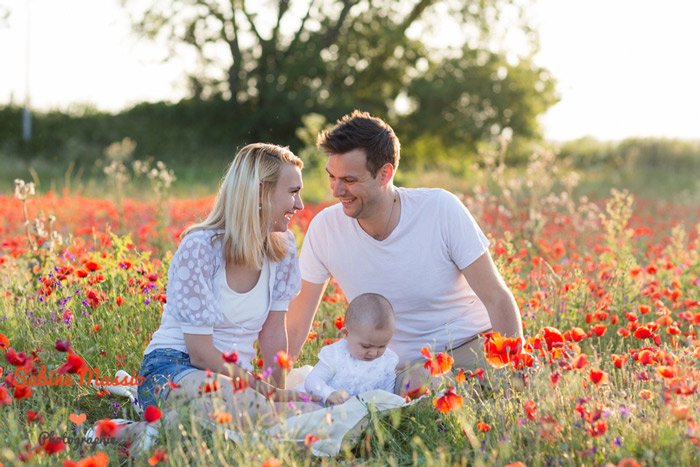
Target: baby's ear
344, 332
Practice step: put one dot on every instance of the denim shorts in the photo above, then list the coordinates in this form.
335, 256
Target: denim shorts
159, 367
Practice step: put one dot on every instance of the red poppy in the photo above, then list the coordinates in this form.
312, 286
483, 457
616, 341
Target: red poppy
501, 350
34, 416
460, 378
14, 358
554, 378
552, 337
599, 329
310, 440
4, 342
22, 392
597, 429
340, 322
646, 394
416, 393
271, 462
159, 455
439, 364
577, 334
4, 395
580, 361
643, 332
98, 460
230, 357
53, 445
92, 266
74, 364
644, 309
483, 427
449, 401
666, 371
619, 360
530, 409
107, 428
221, 417
284, 360
152, 414
63, 346
598, 376
210, 387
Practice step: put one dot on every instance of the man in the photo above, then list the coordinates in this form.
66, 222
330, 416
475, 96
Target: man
419, 248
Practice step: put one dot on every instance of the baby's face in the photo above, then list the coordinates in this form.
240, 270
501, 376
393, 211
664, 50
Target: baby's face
366, 343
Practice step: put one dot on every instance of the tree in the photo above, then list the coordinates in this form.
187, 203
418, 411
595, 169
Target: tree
276, 60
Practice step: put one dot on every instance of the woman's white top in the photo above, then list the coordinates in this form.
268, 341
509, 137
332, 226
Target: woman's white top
199, 300
338, 369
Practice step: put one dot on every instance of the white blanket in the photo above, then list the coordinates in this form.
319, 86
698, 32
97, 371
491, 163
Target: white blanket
331, 424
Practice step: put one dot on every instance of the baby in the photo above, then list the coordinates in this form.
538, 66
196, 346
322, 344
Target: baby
361, 361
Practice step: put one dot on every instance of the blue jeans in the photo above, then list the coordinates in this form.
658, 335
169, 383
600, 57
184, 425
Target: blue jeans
159, 367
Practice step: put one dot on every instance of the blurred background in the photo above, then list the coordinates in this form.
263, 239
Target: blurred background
87, 88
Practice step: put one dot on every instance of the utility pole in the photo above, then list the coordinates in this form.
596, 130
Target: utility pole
26, 114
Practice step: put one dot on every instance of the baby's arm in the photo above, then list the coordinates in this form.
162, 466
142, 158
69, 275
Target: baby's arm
317, 381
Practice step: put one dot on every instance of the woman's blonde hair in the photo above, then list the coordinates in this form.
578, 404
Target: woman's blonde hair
243, 208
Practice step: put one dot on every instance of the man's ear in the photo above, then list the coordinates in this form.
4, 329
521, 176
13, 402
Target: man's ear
386, 173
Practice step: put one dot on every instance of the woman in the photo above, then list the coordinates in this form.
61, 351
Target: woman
229, 284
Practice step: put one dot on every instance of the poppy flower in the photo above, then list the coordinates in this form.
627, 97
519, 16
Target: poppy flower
4, 396
680, 411
221, 417
643, 332
577, 334
599, 329
34, 416
552, 337
554, 378
230, 357
63, 346
483, 427
98, 460
666, 371
152, 414
271, 462
460, 378
439, 364
598, 376
597, 429
580, 361
107, 428
628, 462
74, 364
22, 392
4, 342
159, 455
284, 360
449, 401
310, 439
53, 445
501, 350
619, 360
92, 266
210, 387
416, 393
14, 358
646, 394
644, 309
340, 322
530, 409
172, 385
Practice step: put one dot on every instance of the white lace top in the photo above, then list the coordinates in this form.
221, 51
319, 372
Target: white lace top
194, 293
338, 369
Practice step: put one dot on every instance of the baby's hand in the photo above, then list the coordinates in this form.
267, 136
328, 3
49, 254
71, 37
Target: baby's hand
337, 397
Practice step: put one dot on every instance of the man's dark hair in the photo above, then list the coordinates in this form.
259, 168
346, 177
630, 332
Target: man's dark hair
359, 130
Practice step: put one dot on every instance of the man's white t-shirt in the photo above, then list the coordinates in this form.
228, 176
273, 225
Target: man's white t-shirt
417, 268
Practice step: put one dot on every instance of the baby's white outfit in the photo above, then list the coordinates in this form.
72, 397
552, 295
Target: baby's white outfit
338, 369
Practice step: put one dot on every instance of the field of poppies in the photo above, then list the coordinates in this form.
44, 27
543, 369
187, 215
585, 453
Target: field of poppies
609, 292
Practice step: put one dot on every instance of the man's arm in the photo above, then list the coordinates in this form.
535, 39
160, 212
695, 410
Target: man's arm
487, 283
301, 314
272, 339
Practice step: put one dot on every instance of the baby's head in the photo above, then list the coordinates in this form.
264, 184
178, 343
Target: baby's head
369, 325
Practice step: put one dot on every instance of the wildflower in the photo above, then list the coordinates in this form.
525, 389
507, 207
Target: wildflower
416, 393
230, 357
152, 414
310, 439
580, 361
53, 445
599, 329
284, 360
63, 346
340, 322
210, 387
460, 378
530, 409
598, 429
221, 417
628, 462
449, 401
74, 364
500, 350
598, 376
4, 342
32, 416
576, 334
106, 428
680, 411
646, 394
271, 462
619, 360
554, 378
159, 455
439, 364
483, 427
666, 371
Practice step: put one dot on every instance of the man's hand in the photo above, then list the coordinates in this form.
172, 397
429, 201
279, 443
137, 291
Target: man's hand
337, 397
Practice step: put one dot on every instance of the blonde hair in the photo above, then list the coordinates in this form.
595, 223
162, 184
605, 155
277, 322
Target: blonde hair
243, 208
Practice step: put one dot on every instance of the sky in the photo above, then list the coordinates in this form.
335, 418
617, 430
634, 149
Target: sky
625, 68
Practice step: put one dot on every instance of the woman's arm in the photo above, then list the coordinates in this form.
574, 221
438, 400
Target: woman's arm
272, 339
